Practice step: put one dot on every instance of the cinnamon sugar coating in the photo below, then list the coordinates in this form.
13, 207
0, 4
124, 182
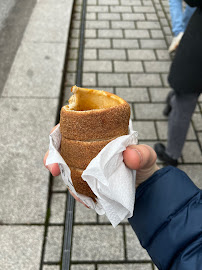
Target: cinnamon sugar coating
86, 132
95, 124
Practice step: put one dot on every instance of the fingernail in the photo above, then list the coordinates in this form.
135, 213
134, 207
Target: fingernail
138, 152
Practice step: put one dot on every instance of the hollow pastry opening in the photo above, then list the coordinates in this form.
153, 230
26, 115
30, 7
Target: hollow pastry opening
84, 99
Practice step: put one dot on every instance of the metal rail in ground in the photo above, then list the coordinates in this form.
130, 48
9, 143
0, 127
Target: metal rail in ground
67, 242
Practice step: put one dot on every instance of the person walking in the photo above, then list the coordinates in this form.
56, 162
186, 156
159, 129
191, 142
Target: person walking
185, 78
179, 21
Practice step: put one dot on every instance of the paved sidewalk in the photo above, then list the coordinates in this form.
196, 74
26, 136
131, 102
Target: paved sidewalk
125, 53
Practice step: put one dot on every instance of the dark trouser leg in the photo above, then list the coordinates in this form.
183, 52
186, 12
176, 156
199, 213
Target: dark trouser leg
178, 122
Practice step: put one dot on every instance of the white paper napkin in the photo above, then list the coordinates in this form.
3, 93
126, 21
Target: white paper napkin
108, 177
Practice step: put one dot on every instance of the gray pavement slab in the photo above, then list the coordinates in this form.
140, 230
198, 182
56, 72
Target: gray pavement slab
84, 215
134, 249
194, 172
47, 23
146, 130
51, 267
112, 54
192, 152
197, 121
159, 94
89, 80
153, 44
14, 16
90, 54
133, 94
25, 126
145, 79
37, 71
136, 266
128, 66
58, 184
162, 127
141, 54
148, 111
111, 79
53, 247
125, 43
97, 243
58, 206
157, 66
97, 66
82, 267
21, 247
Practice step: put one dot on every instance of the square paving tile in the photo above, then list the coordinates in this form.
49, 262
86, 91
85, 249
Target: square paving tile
145, 80
83, 214
197, 121
25, 127
133, 94
194, 172
97, 243
82, 267
21, 247
162, 127
134, 249
53, 247
58, 205
58, 184
135, 266
192, 153
149, 111
146, 130
51, 267
159, 94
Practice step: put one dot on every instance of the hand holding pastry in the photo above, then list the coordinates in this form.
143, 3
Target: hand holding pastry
141, 158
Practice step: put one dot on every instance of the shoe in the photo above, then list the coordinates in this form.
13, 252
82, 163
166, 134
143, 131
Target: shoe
168, 107
175, 42
161, 154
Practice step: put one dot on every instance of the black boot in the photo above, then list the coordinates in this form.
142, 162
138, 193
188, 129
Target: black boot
161, 154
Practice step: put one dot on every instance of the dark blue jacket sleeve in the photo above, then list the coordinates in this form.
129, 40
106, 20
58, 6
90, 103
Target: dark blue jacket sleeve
167, 220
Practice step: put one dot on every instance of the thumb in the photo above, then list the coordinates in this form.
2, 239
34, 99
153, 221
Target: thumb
139, 156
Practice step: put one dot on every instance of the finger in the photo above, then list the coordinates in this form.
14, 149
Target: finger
139, 156
53, 168
54, 128
45, 157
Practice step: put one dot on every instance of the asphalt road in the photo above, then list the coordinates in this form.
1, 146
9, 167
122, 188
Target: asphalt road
14, 16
